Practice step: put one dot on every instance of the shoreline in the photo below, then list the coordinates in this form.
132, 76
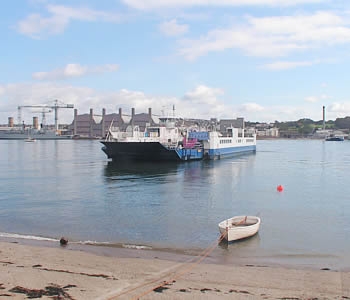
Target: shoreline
85, 272
219, 255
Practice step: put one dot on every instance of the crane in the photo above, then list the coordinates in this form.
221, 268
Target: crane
57, 104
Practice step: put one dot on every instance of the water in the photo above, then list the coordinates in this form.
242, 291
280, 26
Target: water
68, 188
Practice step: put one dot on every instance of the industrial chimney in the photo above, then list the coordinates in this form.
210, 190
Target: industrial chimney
324, 117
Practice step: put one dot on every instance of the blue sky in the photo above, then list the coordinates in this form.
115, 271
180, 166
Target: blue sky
263, 60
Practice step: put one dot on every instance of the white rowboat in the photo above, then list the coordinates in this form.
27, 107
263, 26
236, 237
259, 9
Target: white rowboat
239, 227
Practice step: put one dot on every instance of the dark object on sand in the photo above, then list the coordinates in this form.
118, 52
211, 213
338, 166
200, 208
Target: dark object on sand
53, 290
63, 241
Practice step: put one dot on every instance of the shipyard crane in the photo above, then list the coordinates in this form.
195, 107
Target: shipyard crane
55, 107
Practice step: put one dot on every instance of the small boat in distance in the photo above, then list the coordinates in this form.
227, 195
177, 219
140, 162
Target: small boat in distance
30, 139
239, 227
336, 138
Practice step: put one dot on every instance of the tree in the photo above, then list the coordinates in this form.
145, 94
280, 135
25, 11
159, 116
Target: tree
342, 123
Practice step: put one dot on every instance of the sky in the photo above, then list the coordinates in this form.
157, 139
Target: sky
264, 60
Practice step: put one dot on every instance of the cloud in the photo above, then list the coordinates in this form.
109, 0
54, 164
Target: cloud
58, 19
203, 94
251, 107
201, 102
314, 99
272, 36
285, 65
339, 107
35, 25
311, 99
156, 4
73, 70
172, 28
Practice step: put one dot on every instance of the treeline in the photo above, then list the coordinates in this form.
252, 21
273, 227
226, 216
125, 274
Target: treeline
308, 126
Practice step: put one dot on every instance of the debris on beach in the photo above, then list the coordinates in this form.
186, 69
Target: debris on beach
63, 241
51, 290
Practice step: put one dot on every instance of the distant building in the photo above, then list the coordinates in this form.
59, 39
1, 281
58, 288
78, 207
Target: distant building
267, 130
96, 126
290, 133
224, 123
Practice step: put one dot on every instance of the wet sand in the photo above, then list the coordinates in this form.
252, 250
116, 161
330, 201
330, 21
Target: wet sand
79, 272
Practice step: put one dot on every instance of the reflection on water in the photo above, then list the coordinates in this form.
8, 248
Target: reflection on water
138, 170
247, 243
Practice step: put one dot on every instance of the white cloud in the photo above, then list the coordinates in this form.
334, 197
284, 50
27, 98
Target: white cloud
172, 28
311, 99
285, 65
201, 102
272, 36
251, 107
314, 99
342, 108
35, 25
38, 26
73, 70
156, 4
204, 95
82, 13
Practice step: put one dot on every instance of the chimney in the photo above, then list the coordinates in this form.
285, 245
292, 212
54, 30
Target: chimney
120, 117
35, 123
10, 123
324, 117
132, 116
150, 115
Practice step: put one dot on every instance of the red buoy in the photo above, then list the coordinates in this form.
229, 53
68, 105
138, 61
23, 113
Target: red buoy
279, 188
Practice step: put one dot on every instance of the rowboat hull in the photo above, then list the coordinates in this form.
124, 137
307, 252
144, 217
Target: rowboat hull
239, 227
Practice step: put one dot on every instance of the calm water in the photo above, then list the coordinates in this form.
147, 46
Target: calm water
68, 188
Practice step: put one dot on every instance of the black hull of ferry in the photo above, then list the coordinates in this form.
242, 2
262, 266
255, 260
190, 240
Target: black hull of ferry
139, 152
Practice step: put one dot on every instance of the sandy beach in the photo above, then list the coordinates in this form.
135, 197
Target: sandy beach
31, 271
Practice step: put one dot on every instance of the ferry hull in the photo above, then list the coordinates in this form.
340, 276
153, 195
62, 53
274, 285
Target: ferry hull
213, 154
148, 152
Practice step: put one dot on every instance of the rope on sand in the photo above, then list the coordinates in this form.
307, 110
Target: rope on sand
184, 269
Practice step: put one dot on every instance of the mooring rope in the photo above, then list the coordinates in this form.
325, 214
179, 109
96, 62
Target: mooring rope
187, 267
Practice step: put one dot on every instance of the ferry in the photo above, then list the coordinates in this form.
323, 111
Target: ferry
165, 142
168, 142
